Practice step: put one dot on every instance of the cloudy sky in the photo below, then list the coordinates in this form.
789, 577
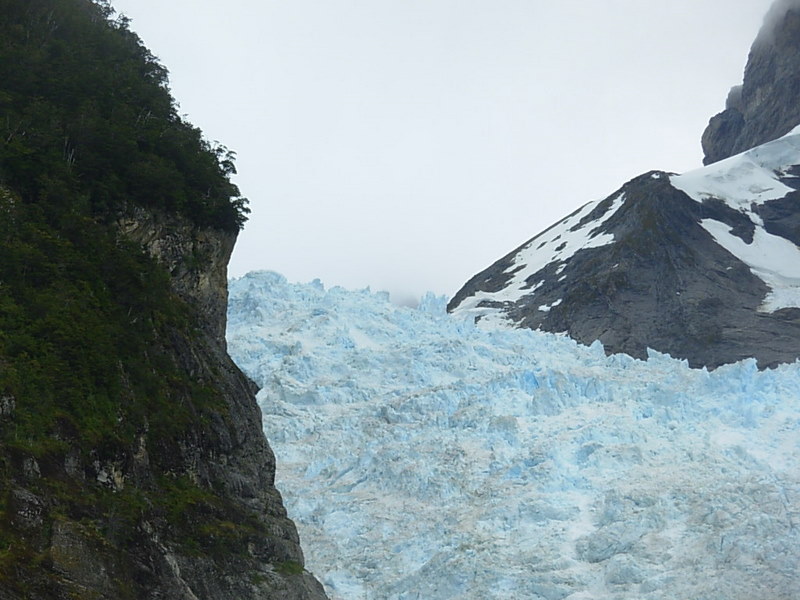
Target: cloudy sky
407, 144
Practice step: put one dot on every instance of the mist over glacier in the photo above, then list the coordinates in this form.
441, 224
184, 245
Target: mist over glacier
423, 457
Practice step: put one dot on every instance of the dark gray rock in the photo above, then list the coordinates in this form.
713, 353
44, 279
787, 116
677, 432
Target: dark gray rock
663, 284
26, 509
767, 104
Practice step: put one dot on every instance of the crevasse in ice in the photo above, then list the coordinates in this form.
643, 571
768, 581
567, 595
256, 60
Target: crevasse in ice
422, 457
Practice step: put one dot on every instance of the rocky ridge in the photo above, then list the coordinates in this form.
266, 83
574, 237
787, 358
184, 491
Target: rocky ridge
230, 455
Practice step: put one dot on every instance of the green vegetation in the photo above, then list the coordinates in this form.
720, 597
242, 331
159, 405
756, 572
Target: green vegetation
289, 567
86, 114
89, 324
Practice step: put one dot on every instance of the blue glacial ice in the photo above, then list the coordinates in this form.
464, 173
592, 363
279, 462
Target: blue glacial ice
424, 458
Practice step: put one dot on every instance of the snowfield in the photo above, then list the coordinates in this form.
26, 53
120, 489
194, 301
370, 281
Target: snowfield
424, 458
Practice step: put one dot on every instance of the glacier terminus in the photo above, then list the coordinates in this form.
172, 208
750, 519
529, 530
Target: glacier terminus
423, 457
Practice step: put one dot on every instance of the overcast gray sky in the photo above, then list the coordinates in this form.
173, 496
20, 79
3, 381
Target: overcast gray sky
408, 144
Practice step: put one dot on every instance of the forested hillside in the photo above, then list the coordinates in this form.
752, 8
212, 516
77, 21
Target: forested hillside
87, 114
131, 459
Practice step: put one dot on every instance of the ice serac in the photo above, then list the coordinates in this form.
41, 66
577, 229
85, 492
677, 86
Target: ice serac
701, 266
426, 458
767, 104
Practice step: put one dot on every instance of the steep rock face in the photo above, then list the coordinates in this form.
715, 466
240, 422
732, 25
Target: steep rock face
188, 512
767, 104
701, 266
231, 454
196, 258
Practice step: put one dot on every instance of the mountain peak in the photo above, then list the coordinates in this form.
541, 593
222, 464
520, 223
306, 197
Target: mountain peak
701, 266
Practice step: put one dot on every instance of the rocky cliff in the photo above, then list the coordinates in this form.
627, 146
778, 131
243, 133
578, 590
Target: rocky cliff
701, 266
183, 510
132, 459
767, 104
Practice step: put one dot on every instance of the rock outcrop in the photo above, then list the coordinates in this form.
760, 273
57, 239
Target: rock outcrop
767, 104
196, 259
230, 453
221, 531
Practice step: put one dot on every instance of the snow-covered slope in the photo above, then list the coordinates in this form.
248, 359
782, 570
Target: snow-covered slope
422, 457
746, 183
703, 266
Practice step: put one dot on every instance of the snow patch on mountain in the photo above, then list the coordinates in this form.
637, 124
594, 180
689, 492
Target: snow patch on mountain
557, 244
743, 182
422, 457
752, 177
775, 260
548, 307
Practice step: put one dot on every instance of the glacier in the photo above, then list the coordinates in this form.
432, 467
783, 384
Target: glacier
425, 458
